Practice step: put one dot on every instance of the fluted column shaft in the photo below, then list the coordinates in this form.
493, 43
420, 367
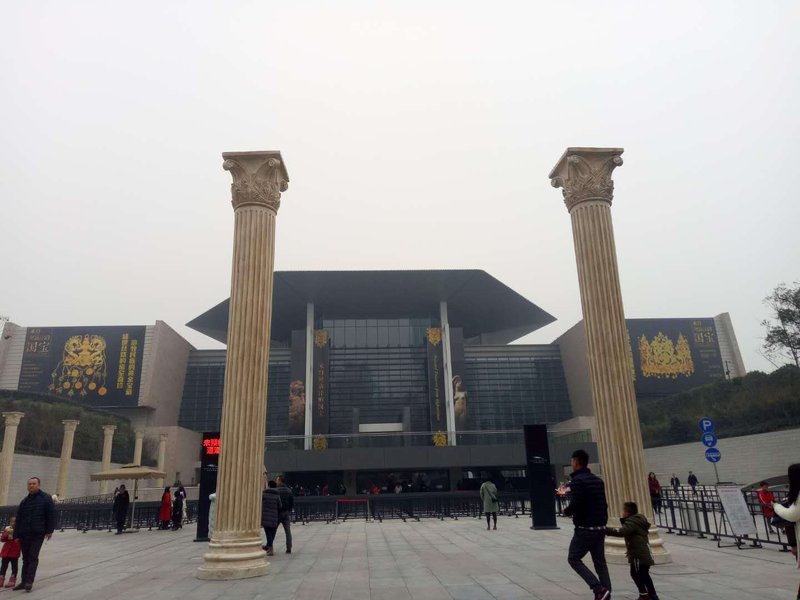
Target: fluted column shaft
585, 176
7, 459
235, 548
162, 456
137, 447
108, 443
66, 457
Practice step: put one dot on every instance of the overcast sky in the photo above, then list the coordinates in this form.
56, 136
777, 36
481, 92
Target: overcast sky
416, 135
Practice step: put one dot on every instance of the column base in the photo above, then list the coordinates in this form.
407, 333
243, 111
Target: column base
615, 549
238, 558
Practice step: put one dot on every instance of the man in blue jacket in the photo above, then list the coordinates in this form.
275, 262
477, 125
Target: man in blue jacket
36, 520
589, 512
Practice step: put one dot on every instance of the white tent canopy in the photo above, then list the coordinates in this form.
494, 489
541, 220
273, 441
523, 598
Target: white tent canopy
135, 472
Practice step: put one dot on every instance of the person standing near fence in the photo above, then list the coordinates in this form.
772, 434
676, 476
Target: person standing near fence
589, 511
491, 505
791, 511
122, 500
270, 511
165, 511
655, 491
36, 521
285, 515
675, 483
692, 481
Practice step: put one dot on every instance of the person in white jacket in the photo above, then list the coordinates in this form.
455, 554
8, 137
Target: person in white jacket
792, 512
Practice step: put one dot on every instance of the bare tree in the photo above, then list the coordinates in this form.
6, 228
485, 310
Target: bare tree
782, 341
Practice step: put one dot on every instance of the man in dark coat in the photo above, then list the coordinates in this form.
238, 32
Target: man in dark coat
589, 511
285, 516
36, 520
121, 502
270, 509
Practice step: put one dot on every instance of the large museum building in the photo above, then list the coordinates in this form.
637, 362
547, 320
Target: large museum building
374, 376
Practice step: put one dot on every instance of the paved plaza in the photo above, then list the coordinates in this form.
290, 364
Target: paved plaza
427, 560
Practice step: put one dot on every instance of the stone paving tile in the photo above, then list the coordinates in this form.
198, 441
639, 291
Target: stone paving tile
427, 560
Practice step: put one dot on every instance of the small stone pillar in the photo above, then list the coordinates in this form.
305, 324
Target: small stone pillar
162, 456
584, 174
7, 459
66, 457
137, 447
234, 551
108, 442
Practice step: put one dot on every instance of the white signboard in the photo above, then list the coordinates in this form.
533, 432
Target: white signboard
736, 510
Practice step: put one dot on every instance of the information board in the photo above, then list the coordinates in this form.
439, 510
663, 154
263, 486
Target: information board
97, 366
736, 510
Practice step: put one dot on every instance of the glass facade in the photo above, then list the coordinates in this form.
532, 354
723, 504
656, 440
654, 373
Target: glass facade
377, 333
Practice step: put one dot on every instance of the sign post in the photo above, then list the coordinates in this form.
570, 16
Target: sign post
209, 460
709, 440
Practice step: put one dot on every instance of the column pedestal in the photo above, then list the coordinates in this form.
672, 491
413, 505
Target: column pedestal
235, 548
66, 457
584, 174
7, 459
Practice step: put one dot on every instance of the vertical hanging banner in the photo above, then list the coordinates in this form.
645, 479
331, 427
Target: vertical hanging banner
322, 360
297, 386
460, 392
436, 383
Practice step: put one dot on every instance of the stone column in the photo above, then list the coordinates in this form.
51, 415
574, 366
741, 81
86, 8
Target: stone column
137, 447
108, 442
584, 174
162, 456
7, 458
235, 547
66, 457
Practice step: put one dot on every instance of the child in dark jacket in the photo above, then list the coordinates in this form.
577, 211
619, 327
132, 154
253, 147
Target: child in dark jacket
635, 528
9, 554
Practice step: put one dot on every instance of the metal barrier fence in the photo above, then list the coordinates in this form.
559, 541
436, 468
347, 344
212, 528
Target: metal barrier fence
699, 512
99, 516
425, 505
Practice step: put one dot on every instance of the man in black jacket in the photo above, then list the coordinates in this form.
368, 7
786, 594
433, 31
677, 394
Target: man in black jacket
589, 512
285, 516
122, 500
36, 520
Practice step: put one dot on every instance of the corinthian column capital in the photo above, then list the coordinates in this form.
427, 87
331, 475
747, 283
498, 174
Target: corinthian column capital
258, 178
585, 174
70, 424
13, 418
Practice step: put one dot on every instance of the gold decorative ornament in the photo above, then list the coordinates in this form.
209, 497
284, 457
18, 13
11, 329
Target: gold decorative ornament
439, 439
82, 366
661, 358
321, 338
434, 335
320, 442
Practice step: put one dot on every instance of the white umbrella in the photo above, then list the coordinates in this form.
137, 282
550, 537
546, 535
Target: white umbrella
135, 472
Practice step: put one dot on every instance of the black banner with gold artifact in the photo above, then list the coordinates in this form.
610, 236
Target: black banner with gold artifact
297, 385
96, 366
436, 383
673, 355
320, 422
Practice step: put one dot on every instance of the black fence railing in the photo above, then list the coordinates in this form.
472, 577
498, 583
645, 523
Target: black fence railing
699, 512
99, 516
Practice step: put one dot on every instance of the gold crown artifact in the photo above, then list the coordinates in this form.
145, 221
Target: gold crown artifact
661, 358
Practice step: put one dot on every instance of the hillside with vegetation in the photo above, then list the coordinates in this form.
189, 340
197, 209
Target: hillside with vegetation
41, 431
755, 403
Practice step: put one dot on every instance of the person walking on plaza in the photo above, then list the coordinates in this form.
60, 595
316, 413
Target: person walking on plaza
589, 511
177, 511
165, 512
675, 483
635, 529
270, 511
655, 491
791, 512
488, 493
285, 514
692, 481
121, 502
36, 521
9, 554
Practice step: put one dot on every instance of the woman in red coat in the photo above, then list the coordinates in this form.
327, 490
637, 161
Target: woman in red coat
165, 512
655, 491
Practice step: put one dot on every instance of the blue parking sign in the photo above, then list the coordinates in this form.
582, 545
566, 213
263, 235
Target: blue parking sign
706, 425
713, 455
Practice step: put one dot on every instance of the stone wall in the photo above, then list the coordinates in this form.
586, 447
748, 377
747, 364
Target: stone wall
745, 459
46, 469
